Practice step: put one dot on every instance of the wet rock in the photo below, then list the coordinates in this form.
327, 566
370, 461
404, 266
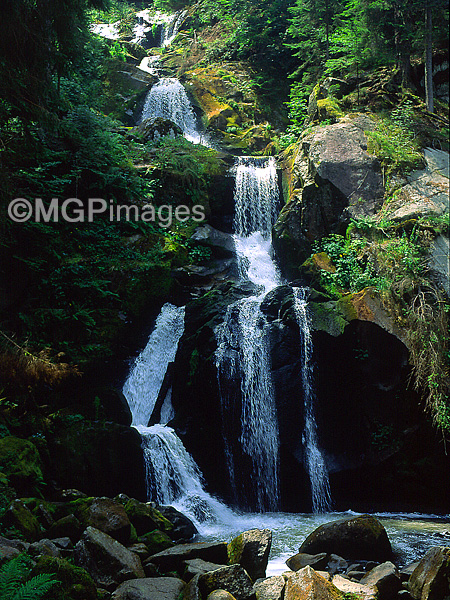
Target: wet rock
385, 579
207, 235
110, 517
76, 582
407, 571
316, 561
431, 578
192, 591
154, 129
173, 558
158, 588
18, 516
336, 564
146, 518
45, 547
66, 527
106, 559
233, 579
352, 537
251, 550
156, 541
183, 529
197, 566
306, 584
271, 588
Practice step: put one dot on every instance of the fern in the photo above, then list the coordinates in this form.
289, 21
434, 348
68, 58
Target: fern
12, 584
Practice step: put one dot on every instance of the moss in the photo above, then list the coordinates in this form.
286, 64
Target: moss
74, 582
145, 518
21, 464
326, 316
156, 541
20, 519
328, 109
234, 549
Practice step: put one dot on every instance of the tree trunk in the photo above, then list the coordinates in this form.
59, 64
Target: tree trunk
428, 59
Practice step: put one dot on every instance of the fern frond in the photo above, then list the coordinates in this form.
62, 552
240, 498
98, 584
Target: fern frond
35, 588
11, 574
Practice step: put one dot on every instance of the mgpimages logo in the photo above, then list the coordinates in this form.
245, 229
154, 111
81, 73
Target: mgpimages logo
74, 210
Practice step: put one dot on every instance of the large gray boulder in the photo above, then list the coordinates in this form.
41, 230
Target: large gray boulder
172, 559
155, 588
197, 566
430, 580
251, 550
232, 579
306, 584
317, 561
385, 579
107, 560
354, 537
110, 517
271, 588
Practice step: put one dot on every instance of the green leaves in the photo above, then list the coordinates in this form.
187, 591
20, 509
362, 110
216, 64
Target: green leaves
14, 584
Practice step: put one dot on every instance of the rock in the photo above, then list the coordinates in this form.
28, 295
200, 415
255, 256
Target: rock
18, 516
407, 571
76, 583
197, 566
430, 580
43, 516
21, 463
306, 584
115, 405
158, 588
183, 529
154, 129
385, 579
233, 579
140, 549
106, 559
66, 527
440, 251
45, 547
207, 235
7, 553
64, 544
317, 561
251, 550
19, 545
156, 541
358, 575
220, 595
271, 588
364, 592
145, 518
192, 591
352, 537
110, 517
173, 558
336, 564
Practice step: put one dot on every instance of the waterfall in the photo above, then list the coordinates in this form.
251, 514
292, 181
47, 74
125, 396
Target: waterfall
243, 354
171, 27
315, 463
168, 99
142, 386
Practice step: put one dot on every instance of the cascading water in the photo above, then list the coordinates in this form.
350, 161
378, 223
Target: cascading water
171, 27
315, 463
168, 100
242, 354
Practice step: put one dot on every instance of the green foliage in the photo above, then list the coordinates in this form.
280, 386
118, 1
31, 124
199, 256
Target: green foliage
16, 584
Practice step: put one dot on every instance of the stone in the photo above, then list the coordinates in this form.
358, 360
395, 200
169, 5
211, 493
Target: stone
21, 463
430, 580
139, 549
172, 559
45, 547
385, 579
64, 544
317, 561
197, 566
364, 592
146, 518
156, 541
251, 550
68, 526
306, 584
153, 129
183, 529
18, 516
336, 564
7, 553
220, 595
106, 559
233, 579
358, 575
207, 235
76, 582
407, 571
192, 591
351, 537
157, 588
271, 588
110, 517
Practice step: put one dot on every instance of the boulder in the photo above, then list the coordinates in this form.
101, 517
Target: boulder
106, 559
251, 550
317, 561
364, 592
8, 552
145, 518
385, 579
156, 541
76, 583
19, 517
271, 588
197, 566
44, 547
430, 580
68, 526
352, 538
155, 588
192, 591
220, 595
336, 564
306, 584
172, 559
154, 129
407, 571
183, 529
232, 579
110, 517
222, 243
21, 463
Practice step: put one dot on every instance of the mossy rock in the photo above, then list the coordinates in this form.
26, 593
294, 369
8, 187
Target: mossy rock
326, 316
328, 110
20, 520
21, 463
74, 582
156, 541
145, 518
